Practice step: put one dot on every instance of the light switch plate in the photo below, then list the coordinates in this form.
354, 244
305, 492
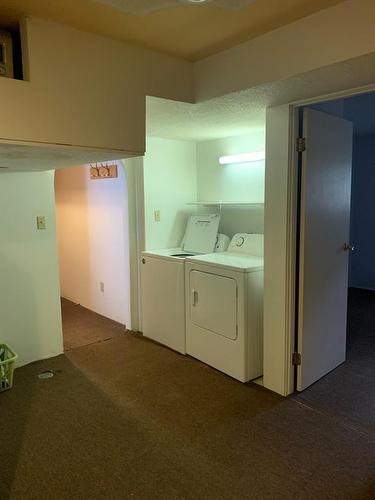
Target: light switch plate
157, 215
41, 222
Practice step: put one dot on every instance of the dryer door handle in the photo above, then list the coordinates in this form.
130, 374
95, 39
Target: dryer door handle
194, 297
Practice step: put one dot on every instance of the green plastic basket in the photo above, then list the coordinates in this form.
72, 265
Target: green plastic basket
7, 359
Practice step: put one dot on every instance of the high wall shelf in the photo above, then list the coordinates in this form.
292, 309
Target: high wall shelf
12, 61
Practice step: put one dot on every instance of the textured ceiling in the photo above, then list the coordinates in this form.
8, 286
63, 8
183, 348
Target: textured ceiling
30, 157
184, 29
230, 115
242, 112
141, 7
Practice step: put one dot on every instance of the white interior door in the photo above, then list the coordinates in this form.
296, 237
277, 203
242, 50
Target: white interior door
325, 218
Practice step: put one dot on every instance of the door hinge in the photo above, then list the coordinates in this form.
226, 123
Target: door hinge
301, 144
296, 359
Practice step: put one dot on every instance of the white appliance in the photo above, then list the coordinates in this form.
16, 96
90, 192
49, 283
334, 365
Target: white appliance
163, 282
222, 242
224, 308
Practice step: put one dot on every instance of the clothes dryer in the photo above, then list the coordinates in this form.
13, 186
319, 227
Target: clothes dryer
224, 308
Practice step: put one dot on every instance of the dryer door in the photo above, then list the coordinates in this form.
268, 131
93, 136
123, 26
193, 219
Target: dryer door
213, 303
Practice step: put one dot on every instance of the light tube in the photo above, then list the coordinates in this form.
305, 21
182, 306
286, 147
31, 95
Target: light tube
242, 158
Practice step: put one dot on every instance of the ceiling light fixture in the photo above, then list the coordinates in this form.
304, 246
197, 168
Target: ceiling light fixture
144, 7
242, 158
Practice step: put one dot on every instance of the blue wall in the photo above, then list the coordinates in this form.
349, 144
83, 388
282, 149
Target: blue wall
361, 111
362, 260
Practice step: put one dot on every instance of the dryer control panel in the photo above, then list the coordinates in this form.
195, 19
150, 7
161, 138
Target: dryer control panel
245, 243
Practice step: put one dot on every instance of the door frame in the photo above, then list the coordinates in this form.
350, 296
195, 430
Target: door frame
134, 172
281, 233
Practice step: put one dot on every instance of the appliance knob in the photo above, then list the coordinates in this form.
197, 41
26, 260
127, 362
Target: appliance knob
143, 261
240, 241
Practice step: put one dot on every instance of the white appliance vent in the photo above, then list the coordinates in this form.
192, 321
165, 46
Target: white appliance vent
142, 7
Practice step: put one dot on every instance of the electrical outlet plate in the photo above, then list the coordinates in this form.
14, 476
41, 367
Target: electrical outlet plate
41, 222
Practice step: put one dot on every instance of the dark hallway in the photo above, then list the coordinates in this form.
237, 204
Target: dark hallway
348, 393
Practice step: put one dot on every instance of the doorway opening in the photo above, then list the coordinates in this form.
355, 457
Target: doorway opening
336, 318
93, 247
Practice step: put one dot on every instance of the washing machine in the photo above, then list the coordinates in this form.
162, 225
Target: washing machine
224, 308
163, 281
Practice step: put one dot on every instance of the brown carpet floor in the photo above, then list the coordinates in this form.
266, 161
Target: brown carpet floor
83, 327
129, 419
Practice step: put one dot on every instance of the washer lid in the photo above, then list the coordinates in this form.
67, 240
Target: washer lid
201, 233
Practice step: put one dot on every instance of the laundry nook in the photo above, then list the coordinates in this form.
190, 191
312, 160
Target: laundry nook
202, 267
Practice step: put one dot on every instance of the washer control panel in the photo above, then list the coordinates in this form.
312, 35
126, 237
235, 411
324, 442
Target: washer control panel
240, 240
250, 244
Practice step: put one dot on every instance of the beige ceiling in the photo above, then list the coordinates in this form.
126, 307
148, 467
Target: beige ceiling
190, 31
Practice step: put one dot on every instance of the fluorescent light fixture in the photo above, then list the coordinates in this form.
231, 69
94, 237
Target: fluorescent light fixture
242, 158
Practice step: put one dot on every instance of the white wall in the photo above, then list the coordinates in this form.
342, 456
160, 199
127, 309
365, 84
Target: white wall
233, 182
29, 293
134, 176
93, 240
279, 254
72, 73
327, 37
178, 172
87, 90
170, 182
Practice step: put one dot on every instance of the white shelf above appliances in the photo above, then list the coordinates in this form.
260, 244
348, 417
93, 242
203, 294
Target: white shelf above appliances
225, 203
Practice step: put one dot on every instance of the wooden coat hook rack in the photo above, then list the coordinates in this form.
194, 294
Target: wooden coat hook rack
103, 171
